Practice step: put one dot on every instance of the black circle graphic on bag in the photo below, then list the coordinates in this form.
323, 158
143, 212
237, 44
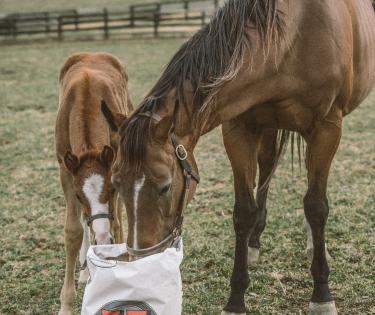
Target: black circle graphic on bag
126, 308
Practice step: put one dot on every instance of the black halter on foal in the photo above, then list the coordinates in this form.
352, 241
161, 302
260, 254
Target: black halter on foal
92, 218
189, 174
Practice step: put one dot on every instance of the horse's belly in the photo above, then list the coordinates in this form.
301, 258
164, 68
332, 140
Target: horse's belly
289, 116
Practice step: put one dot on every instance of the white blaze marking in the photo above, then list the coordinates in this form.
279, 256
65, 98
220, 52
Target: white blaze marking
137, 188
93, 188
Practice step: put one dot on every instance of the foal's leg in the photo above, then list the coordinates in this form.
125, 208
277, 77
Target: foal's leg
86, 242
241, 148
322, 146
266, 161
73, 239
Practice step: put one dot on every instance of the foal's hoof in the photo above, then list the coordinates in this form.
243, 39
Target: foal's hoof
252, 256
230, 313
326, 308
65, 312
310, 254
83, 277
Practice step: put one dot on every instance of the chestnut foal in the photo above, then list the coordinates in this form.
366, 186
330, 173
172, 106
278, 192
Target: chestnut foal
85, 151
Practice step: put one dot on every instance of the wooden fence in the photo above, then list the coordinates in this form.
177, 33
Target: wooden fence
152, 17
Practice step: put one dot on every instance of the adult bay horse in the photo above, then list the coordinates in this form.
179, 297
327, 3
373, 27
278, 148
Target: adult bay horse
85, 148
259, 67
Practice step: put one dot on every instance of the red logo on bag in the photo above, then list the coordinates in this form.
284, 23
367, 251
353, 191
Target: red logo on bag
105, 312
126, 308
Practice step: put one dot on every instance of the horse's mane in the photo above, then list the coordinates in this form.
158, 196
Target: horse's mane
211, 58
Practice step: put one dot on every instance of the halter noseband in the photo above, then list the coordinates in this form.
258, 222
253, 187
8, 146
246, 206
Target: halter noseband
189, 174
92, 218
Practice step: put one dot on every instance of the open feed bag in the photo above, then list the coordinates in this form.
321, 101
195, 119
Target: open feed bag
148, 286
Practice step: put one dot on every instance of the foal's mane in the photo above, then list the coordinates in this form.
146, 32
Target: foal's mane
211, 58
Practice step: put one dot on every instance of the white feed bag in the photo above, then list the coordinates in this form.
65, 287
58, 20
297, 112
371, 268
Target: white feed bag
148, 286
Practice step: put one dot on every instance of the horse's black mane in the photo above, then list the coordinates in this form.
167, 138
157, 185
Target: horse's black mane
212, 57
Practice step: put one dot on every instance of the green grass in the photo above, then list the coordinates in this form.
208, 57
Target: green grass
32, 205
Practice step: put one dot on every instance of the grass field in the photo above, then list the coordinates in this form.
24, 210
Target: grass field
32, 204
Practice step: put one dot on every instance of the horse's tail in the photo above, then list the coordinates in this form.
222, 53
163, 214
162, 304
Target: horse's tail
281, 143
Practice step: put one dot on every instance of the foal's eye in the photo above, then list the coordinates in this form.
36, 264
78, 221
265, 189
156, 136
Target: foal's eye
165, 189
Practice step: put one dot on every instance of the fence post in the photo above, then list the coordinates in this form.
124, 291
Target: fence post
132, 16
14, 27
105, 17
186, 7
158, 7
203, 18
156, 24
216, 4
47, 21
76, 22
60, 27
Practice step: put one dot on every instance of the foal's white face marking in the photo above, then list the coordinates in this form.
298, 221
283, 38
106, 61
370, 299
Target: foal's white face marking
93, 188
137, 189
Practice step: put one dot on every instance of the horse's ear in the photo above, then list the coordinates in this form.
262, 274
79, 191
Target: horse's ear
107, 156
163, 129
71, 161
114, 120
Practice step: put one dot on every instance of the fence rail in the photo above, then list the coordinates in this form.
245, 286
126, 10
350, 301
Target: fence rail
155, 17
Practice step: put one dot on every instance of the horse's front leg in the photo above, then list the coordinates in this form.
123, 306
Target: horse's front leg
73, 233
241, 148
322, 146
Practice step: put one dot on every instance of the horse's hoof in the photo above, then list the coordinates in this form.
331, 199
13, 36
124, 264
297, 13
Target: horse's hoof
83, 277
326, 308
65, 312
252, 256
230, 313
310, 254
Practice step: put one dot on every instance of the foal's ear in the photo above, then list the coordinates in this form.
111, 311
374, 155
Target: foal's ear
114, 120
71, 161
107, 156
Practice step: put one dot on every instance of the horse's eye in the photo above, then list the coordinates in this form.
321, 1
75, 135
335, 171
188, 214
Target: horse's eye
165, 189
79, 198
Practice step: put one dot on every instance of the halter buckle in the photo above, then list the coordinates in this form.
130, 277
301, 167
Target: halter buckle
181, 152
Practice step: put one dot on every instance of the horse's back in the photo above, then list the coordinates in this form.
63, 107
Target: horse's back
85, 80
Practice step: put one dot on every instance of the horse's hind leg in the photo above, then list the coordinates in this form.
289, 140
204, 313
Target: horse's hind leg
266, 161
322, 146
73, 233
241, 148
